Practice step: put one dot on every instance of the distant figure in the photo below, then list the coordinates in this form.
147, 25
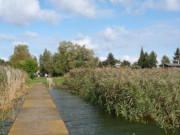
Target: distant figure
38, 75
46, 75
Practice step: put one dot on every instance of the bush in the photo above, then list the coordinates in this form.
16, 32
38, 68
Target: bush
29, 65
145, 94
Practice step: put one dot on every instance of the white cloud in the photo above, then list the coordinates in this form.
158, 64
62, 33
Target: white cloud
153, 35
108, 34
101, 58
5, 59
82, 7
130, 59
84, 40
23, 12
30, 34
7, 37
139, 6
14, 43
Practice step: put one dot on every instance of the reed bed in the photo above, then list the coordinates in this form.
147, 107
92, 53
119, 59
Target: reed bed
142, 95
12, 88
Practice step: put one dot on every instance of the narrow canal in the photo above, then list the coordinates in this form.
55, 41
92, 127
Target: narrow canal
82, 118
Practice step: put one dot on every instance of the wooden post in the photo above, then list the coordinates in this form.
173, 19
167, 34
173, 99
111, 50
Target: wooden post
49, 81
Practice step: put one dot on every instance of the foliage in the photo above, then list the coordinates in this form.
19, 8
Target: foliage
29, 65
46, 62
22, 59
134, 94
12, 88
165, 59
147, 60
153, 59
141, 59
21, 52
126, 63
72, 56
3, 63
176, 58
110, 61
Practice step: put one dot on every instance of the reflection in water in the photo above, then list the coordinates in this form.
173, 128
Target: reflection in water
4, 127
82, 118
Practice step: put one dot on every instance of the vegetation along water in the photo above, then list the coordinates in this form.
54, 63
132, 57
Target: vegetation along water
141, 95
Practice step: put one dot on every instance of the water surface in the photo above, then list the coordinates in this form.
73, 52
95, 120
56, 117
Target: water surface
82, 118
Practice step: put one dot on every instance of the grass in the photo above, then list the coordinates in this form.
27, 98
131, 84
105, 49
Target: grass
43, 80
12, 88
141, 95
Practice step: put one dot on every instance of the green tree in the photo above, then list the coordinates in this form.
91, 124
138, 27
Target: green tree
29, 65
146, 60
141, 61
111, 60
3, 62
71, 56
153, 59
21, 52
126, 63
46, 62
165, 59
176, 58
22, 59
105, 63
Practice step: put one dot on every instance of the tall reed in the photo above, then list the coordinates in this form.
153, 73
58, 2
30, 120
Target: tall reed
11, 88
144, 94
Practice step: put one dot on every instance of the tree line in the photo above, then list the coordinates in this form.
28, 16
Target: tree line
70, 56
145, 60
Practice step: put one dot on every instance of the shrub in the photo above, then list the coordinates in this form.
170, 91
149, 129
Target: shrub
145, 94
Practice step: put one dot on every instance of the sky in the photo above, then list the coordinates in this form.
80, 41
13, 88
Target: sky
121, 27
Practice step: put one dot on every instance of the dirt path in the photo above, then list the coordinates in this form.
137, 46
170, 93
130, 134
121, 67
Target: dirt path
39, 115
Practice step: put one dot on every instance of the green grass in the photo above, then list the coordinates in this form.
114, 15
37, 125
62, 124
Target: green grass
43, 80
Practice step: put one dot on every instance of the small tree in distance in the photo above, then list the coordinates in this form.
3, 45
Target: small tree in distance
147, 60
176, 58
165, 59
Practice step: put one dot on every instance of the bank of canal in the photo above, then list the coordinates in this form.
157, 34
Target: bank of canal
82, 118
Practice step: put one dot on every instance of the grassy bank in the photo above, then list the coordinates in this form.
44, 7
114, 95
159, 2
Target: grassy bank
56, 80
145, 94
12, 88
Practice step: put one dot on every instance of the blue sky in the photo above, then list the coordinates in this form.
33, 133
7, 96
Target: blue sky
118, 26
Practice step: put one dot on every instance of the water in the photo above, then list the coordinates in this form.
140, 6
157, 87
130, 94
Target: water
6, 125
82, 118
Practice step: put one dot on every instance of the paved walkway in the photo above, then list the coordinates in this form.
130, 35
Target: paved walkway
39, 115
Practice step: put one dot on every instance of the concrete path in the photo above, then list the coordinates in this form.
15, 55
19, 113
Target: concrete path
39, 115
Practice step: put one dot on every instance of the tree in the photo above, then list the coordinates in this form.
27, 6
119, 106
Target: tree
3, 62
71, 56
29, 65
176, 58
141, 61
165, 59
22, 59
153, 59
62, 58
111, 60
126, 63
21, 52
146, 60
46, 62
